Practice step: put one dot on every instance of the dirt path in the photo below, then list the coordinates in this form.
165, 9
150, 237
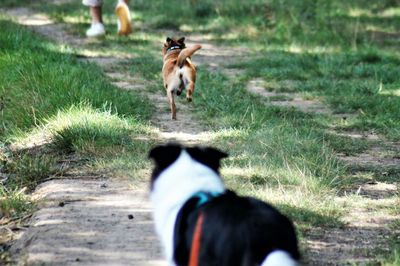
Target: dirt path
257, 86
186, 129
83, 221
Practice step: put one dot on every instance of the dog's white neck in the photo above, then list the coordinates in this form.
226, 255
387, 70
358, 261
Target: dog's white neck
175, 185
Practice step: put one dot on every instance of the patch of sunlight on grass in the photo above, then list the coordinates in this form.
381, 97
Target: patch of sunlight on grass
390, 92
390, 12
379, 28
140, 36
230, 36
298, 48
186, 28
358, 12
386, 13
102, 53
36, 20
82, 115
301, 49
59, 48
229, 132
236, 171
287, 194
75, 19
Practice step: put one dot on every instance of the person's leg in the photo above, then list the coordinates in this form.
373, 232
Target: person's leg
124, 17
95, 12
97, 27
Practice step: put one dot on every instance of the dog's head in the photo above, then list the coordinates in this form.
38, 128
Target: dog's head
165, 155
172, 44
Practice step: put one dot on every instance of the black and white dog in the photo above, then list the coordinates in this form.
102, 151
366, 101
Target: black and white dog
202, 223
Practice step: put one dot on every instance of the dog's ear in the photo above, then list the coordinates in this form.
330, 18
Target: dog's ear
168, 39
208, 156
181, 40
164, 155
215, 153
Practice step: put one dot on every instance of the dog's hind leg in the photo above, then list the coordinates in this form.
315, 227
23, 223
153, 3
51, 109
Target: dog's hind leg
180, 89
190, 91
171, 100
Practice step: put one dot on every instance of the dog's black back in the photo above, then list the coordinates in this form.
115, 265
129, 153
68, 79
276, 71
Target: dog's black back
236, 231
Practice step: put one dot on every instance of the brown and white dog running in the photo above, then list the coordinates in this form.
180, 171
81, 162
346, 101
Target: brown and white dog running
178, 70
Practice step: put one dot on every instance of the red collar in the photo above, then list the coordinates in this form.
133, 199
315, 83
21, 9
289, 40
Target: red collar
196, 241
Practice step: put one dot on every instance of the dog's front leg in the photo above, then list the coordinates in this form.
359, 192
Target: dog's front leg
171, 100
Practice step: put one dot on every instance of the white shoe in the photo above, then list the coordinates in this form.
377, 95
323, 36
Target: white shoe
96, 30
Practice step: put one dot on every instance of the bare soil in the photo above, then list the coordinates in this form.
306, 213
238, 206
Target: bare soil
256, 86
90, 222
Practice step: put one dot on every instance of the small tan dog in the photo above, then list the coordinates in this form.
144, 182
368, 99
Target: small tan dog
178, 70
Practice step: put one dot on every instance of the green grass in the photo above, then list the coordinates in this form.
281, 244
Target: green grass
29, 169
14, 202
36, 85
357, 82
346, 145
147, 66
